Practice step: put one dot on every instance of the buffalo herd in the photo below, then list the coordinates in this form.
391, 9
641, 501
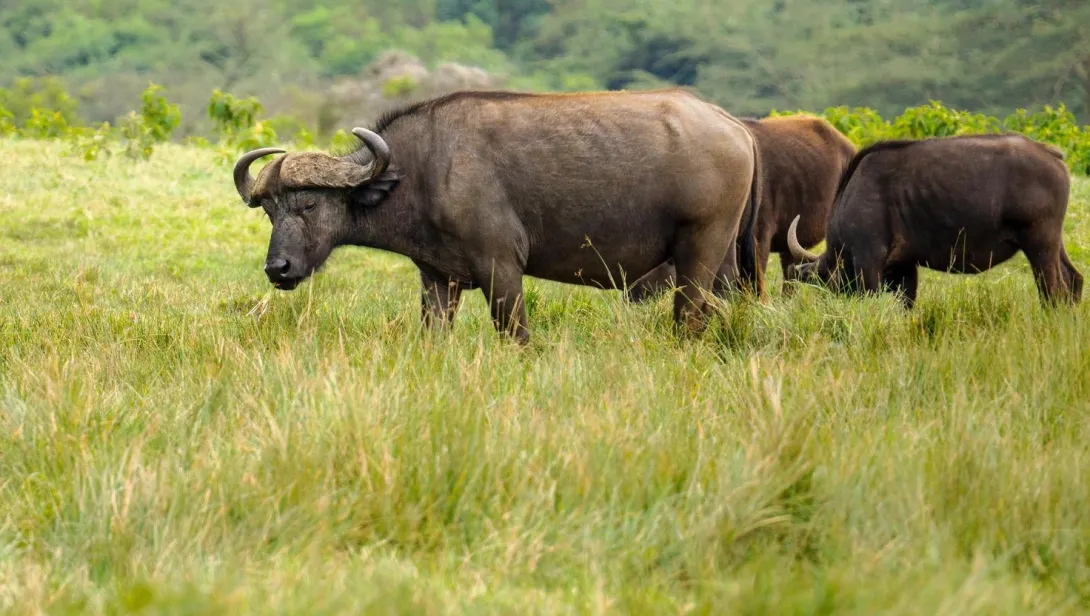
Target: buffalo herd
657, 190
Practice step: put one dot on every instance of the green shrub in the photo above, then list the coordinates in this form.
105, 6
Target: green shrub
935, 120
1058, 126
290, 128
578, 82
154, 124
343, 141
43, 94
231, 115
861, 125
260, 135
7, 123
304, 139
196, 141
45, 124
136, 137
159, 117
1053, 125
91, 143
398, 86
237, 126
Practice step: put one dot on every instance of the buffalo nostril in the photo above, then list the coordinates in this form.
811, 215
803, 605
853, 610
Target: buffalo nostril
277, 266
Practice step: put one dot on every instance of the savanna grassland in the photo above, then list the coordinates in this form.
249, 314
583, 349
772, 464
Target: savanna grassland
176, 438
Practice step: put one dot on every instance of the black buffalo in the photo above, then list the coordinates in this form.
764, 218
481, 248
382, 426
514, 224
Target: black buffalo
958, 204
802, 158
482, 188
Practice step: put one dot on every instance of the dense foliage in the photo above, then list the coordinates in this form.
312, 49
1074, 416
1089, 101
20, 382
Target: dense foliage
241, 124
1053, 125
748, 55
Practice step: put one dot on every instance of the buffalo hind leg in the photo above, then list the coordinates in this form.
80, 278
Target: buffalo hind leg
653, 283
439, 298
698, 255
1048, 272
729, 277
502, 288
902, 281
1072, 277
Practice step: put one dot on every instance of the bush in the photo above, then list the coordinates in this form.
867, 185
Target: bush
861, 125
289, 128
237, 125
935, 120
44, 94
398, 86
7, 123
232, 115
159, 117
343, 141
45, 124
42, 109
153, 125
91, 143
1053, 125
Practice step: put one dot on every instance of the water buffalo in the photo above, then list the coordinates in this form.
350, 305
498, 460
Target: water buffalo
959, 204
802, 158
481, 188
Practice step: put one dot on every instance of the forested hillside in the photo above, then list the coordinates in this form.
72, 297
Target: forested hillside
748, 55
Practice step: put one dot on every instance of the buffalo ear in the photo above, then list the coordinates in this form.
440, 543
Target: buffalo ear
373, 193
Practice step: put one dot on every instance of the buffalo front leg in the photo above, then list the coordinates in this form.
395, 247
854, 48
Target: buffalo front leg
502, 288
698, 255
653, 283
865, 267
902, 281
869, 279
439, 298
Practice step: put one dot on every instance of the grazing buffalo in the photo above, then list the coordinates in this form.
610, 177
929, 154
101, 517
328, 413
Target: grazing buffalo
960, 204
802, 158
482, 188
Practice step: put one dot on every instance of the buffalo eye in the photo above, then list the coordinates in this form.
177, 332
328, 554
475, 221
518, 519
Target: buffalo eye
309, 205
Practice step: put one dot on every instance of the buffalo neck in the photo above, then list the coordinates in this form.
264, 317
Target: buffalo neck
395, 225
398, 224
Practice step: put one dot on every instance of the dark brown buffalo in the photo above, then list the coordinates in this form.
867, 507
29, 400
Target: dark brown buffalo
802, 158
958, 204
482, 188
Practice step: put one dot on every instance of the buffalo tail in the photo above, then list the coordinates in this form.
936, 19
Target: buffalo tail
749, 273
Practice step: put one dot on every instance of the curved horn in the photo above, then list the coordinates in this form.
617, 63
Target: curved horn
793, 245
378, 149
244, 182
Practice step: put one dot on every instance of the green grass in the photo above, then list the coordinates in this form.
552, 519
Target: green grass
175, 438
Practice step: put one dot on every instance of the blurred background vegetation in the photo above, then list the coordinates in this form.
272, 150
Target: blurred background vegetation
326, 63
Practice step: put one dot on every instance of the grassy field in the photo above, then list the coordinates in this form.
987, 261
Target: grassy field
176, 438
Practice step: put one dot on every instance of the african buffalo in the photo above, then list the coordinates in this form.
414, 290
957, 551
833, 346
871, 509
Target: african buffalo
481, 188
802, 158
960, 204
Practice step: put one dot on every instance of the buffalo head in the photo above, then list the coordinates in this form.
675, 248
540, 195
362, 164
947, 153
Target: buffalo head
310, 198
812, 267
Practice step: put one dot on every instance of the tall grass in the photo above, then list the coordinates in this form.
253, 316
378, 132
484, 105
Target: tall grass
175, 438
